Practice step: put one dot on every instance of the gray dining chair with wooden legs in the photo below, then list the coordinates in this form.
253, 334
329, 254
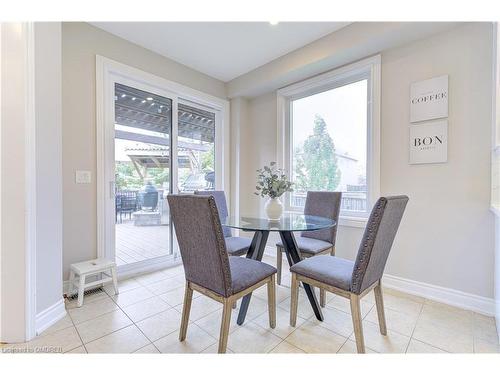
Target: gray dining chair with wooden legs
208, 268
320, 242
236, 246
353, 280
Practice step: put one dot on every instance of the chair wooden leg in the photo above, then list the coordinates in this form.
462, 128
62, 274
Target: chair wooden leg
186, 309
224, 328
332, 252
357, 323
322, 297
294, 300
271, 301
379, 302
279, 264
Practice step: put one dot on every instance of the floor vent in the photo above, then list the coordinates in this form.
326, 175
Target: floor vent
86, 293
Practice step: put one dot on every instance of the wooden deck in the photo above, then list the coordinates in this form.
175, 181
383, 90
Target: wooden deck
134, 244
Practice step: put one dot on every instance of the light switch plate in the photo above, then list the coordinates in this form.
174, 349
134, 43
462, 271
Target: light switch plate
83, 177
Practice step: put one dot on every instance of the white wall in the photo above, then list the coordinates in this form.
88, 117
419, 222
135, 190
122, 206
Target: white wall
495, 166
81, 42
13, 179
31, 229
48, 166
447, 235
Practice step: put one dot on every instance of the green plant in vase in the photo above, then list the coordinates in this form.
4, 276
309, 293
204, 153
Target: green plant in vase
272, 183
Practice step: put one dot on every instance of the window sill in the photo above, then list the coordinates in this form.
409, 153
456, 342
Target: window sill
344, 221
353, 221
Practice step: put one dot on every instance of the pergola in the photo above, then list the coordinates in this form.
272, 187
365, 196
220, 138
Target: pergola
137, 109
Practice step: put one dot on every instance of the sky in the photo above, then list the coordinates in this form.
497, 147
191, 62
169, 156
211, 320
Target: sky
344, 110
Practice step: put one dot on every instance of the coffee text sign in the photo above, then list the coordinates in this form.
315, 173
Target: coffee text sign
429, 99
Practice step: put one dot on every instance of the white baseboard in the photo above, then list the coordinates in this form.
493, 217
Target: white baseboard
50, 316
448, 296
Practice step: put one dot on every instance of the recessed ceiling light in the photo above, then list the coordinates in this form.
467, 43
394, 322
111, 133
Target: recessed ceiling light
274, 23
149, 99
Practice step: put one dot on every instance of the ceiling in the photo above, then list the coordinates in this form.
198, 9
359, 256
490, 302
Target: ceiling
223, 50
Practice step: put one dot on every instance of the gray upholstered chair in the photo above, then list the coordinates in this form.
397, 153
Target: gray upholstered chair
208, 268
350, 279
235, 246
318, 203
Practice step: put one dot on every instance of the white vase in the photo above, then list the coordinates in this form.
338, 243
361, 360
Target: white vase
274, 208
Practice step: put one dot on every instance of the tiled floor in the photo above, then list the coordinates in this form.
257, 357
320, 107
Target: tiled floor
145, 318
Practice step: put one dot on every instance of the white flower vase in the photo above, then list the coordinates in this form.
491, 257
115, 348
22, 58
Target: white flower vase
274, 209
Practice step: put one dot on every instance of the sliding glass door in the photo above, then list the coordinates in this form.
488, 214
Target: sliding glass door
154, 143
196, 148
143, 178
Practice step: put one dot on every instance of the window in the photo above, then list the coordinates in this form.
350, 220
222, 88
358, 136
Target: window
329, 129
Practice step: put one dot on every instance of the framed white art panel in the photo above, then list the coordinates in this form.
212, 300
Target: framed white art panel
429, 143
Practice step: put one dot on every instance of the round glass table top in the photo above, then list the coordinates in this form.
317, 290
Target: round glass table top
289, 222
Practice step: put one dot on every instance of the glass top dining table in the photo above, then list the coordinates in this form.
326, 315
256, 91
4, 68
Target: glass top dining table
289, 223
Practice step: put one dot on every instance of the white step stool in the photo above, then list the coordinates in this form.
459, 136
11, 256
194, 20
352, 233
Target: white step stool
103, 267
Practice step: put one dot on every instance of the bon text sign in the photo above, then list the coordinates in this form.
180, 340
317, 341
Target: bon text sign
429, 143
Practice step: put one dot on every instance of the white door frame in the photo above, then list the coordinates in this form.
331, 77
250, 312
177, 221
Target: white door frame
107, 72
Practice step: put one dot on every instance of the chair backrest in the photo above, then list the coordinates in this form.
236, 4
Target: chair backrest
377, 241
220, 200
325, 204
201, 242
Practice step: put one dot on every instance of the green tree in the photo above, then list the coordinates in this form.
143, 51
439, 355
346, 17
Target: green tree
316, 165
208, 159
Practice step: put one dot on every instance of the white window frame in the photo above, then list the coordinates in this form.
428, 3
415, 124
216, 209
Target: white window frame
109, 71
369, 68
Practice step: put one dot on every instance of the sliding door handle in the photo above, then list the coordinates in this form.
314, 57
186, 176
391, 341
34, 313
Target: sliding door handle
112, 189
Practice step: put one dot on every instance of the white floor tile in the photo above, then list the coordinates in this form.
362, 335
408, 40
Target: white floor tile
448, 317
123, 286
286, 348
175, 297
395, 320
126, 340
201, 307
92, 310
102, 325
283, 327
421, 347
392, 343
196, 341
443, 338
312, 338
211, 323
335, 320
65, 322
161, 324
482, 346
343, 304
350, 348
144, 309
79, 350
61, 341
251, 338
132, 296
148, 349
